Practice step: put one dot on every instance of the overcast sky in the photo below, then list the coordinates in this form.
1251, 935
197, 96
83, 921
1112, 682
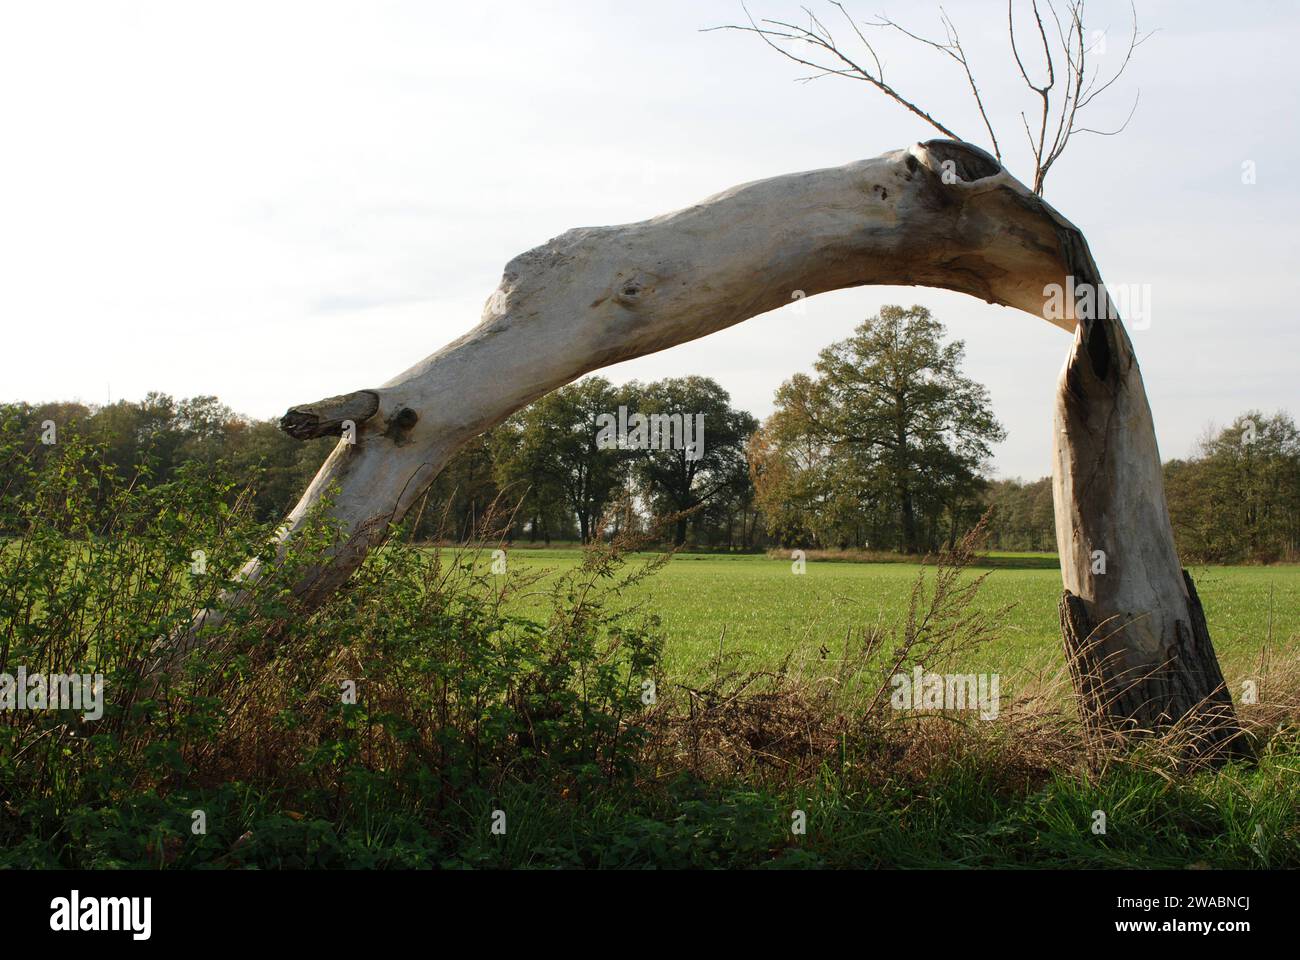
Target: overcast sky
275, 202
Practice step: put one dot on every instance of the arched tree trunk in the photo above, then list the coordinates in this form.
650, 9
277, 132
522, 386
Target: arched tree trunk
942, 214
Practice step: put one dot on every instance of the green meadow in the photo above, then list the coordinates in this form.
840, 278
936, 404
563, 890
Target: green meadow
757, 611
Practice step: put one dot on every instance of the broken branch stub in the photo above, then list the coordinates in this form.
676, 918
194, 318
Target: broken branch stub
325, 417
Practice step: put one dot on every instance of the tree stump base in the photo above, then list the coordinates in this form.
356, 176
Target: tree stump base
1182, 698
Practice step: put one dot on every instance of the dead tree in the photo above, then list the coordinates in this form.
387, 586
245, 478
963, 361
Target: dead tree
941, 214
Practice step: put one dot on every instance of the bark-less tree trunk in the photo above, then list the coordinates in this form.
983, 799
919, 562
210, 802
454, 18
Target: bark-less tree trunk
942, 214
1135, 634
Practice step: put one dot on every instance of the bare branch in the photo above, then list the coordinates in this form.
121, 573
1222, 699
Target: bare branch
1077, 95
772, 31
1044, 91
1073, 83
1120, 128
952, 48
814, 46
1135, 41
880, 71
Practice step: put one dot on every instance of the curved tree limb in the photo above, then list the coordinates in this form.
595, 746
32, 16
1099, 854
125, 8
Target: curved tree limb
941, 214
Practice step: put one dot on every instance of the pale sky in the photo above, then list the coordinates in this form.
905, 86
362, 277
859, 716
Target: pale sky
276, 202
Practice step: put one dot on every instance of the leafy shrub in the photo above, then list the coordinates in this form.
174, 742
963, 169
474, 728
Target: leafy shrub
454, 697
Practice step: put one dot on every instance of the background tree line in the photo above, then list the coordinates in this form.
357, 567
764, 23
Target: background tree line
1236, 498
542, 467
884, 445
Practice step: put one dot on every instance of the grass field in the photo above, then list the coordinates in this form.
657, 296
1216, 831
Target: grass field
759, 611
462, 712
411, 777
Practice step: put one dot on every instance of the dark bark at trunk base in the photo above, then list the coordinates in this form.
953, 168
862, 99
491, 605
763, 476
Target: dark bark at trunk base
1121, 701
